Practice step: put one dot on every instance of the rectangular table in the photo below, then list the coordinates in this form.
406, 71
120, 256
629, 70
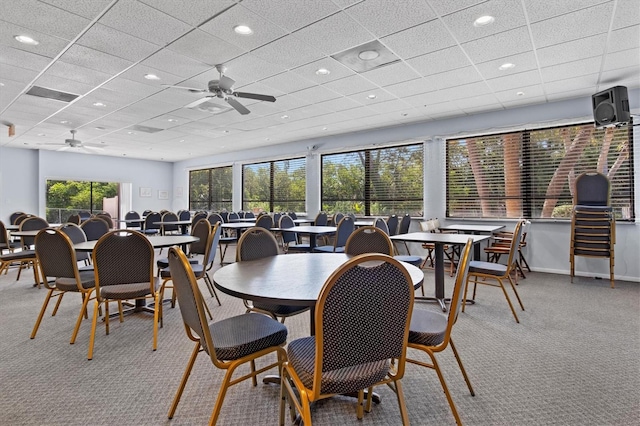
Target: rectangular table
475, 230
313, 231
439, 241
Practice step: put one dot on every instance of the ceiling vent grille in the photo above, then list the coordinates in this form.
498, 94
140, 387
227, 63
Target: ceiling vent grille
146, 129
366, 56
43, 92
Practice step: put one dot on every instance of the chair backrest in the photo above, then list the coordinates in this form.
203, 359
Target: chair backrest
14, 216
107, 218
146, 212
380, 223
276, 218
198, 216
392, 224
131, 215
214, 218
212, 244
265, 221
74, 218
321, 219
225, 216
18, 221
405, 223
76, 235
84, 214
515, 243
462, 272
190, 301
256, 243
94, 228
249, 215
287, 236
592, 189
344, 230
351, 215
369, 239
337, 217
427, 225
233, 216
169, 217
201, 229
123, 257
293, 215
32, 223
184, 215
4, 236
355, 327
150, 221
56, 255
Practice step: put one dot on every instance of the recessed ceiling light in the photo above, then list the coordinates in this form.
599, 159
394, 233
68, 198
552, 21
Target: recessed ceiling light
1, 84
42, 134
371, 96
483, 20
520, 93
172, 120
151, 77
242, 30
26, 40
99, 104
368, 55
225, 131
65, 122
100, 128
324, 128
323, 71
284, 117
181, 140
506, 66
131, 133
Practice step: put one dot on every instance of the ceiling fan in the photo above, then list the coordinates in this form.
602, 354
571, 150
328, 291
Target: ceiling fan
223, 89
75, 143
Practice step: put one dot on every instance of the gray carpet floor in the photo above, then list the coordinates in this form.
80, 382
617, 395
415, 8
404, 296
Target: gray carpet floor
574, 359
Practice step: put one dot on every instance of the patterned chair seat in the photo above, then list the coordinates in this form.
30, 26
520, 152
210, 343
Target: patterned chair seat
427, 328
258, 332
127, 291
489, 268
87, 279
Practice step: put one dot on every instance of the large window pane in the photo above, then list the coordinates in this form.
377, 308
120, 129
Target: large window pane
531, 173
67, 197
374, 182
274, 186
211, 189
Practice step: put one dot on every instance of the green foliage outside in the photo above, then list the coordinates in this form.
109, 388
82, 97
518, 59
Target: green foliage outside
67, 197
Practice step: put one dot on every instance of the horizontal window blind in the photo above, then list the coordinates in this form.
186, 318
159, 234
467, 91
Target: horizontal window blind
274, 186
211, 189
532, 173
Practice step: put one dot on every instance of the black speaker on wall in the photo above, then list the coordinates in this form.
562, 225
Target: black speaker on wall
611, 106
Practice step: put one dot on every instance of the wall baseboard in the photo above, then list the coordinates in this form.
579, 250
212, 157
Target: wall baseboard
588, 275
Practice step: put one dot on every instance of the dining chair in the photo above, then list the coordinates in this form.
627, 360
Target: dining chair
123, 263
33, 223
169, 229
290, 238
502, 243
337, 217
321, 219
133, 215
229, 343
107, 218
493, 274
14, 216
392, 224
200, 229
403, 228
184, 215
249, 215
430, 331
344, 229
381, 224
368, 239
146, 212
57, 260
77, 235
257, 243
265, 221
151, 223
5, 242
84, 215
347, 354
94, 228
74, 218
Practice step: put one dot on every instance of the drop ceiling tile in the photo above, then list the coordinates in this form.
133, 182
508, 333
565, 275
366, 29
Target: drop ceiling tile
77, 73
499, 45
573, 83
523, 62
116, 43
538, 10
62, 85
316, 94
11, 73
381, 95
445, 7
341, 104
336, 69
623, 59
412, 87
198, 45
334, 34
291, 14
423, 100
287, 82
176, 64
627, 13
569, 69
512, 95
629, 77
95, 60
287, 102
222, 26
580, 93
383, 17
195, 13
350, 85
49, 46
86, 9
191, 114
514, 81
9, 91
131, 88
248, 69
440, 61
454, 78
261, 109
465, 90
572, 26
145, 22
289, 51
137, 73
571, 51
419, 40
623, 39
472, 103
391, 106
524, 100
45, 18
23, 59
508, 15
391, 74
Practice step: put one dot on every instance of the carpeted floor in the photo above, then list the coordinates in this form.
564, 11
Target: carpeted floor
574, 359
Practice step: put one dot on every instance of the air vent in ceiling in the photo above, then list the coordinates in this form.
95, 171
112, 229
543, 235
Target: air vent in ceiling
43, 92
211, 107
366, 56
146, 129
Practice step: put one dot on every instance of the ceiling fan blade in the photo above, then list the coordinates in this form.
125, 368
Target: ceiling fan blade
226, 83
198, 102
267, 98
93, 147
237, 106
191, 89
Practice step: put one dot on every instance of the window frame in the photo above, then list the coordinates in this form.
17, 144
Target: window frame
210, 201
273, 197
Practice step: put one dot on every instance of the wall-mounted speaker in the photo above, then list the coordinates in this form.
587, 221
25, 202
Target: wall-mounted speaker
611, 106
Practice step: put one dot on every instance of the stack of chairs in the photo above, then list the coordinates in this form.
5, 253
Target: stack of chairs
593, 230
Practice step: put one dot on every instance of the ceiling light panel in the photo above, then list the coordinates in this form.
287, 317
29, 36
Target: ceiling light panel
507, 14
337, 70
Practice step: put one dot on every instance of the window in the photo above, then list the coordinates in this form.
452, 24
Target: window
374, 182
274, 186
211, 189
531, 173
67, 197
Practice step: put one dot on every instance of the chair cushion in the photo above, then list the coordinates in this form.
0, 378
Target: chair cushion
298, 247
301, 355
487, 268
280, 310
427, 328
127, 291
328, 249
245, 334
412, 260
19, 255
87, 279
